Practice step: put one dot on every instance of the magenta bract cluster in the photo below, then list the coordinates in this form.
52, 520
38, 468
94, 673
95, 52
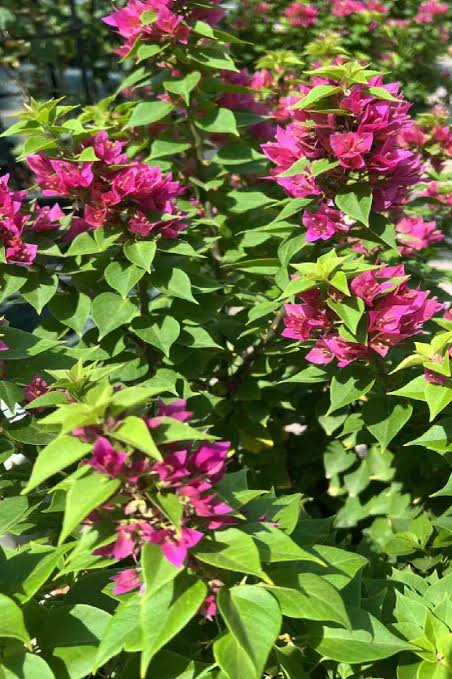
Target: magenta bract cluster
360, 138
393, 312
112, 191
188, 474
159, 21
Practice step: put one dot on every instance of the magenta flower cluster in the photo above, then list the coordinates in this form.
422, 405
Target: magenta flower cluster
112, 191
301, 15
428, 10
159, 21
361, 141
415, 234
188, 473
342, 8
14, 221
393, 313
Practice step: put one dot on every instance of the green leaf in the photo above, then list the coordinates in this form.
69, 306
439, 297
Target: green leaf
437, 438
184, 86
385, 417
110, 311
161, 336
179, 285
350, 311
25, 666
313, 599
172, 605
12, 623
384, 230
11, 394
23, 344
231, 550
87, 154
254, 620
39, 290
146, 51
122, 277
135, 432
355, 200
350, 385
290, 659
213, 57
413, 390
218, 121
367, 640
148, 112
297, 167
84, 495
157, 570
141, 253
317, 93
70, 640
57, 455
25, 573
12, 511
123, 625
72, 310
171, 430
134, 396
438, 397
162, 147
275, 546
382, 93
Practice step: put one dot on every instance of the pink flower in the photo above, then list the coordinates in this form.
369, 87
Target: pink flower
209, 607
328, 348
110, 152
128, 23
435, 378
107, 459
428, 10
175, 409
37, 387
371, 284
301, 15
301, 319
175, 547
18, 252
323, 224
210, 460
47, 218
349, 147
214, 509
173, 469
415, 234
399, 315
126, 581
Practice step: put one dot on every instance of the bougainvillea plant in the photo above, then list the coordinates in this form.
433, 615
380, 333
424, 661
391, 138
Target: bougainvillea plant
226, 386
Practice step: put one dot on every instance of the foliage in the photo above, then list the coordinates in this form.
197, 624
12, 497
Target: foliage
226, 437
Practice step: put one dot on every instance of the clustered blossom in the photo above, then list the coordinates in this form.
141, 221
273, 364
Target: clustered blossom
37, 387
361, 145
187, 472
393, 312
428, 10
159, 21
13, 222
301, 15
112, 191
341, 8
415, 234
431, 137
